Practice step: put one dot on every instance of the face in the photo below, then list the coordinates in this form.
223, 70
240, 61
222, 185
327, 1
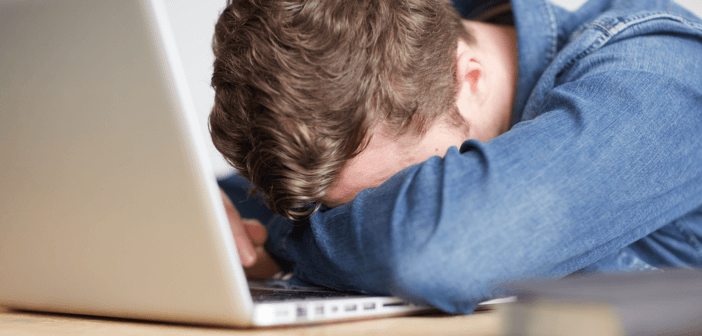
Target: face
385, 155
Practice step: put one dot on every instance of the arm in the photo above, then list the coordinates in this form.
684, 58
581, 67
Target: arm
602, 166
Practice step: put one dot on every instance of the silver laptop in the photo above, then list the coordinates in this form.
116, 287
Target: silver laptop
108, 204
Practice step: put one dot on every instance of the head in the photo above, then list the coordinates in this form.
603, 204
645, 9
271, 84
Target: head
303, 86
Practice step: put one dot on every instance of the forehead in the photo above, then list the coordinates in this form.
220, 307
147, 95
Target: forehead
383, 157
386, 155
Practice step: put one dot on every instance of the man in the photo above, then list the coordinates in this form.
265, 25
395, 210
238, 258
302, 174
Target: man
584, 150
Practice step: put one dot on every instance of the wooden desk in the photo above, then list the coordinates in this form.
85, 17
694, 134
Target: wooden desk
18, 323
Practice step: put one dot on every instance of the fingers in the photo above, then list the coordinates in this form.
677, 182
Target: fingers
257, 232
244, 244
265, 266
250, 236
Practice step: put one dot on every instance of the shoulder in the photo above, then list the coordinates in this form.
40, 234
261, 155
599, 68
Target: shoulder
605, 22
559, 46
661, 41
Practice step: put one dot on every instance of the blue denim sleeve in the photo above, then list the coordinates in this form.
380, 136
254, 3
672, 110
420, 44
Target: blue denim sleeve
612, 157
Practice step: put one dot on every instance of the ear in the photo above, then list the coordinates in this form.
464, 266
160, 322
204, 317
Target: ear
470, 74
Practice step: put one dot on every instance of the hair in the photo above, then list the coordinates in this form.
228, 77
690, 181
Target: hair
300, 85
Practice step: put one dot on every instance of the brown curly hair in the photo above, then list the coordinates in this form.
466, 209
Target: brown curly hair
299, 85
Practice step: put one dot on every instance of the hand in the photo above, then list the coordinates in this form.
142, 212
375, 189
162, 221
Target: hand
250, 236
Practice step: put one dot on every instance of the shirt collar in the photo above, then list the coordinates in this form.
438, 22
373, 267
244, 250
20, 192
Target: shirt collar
536, 26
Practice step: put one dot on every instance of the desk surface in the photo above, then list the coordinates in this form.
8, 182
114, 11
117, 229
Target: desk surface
19, 323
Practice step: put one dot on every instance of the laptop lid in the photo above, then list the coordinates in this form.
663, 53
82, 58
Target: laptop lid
108, 205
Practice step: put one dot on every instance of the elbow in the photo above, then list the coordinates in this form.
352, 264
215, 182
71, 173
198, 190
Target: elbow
429, 282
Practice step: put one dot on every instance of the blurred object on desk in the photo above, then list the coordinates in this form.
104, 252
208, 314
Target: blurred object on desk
646, 303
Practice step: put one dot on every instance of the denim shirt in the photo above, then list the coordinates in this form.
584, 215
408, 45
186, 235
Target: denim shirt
601, 171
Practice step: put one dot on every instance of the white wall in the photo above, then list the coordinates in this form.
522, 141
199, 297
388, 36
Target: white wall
193, 26
694, 6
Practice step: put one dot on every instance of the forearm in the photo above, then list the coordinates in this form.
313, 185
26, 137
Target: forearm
447, 231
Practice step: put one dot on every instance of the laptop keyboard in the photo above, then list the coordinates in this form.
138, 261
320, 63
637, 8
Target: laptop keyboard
280, 295
267, 291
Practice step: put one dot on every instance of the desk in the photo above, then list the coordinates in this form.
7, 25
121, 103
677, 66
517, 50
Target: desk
19, 323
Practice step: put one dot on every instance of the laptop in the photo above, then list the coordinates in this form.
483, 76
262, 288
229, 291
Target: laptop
108, 202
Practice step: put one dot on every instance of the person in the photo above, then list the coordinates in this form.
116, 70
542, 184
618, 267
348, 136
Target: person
402, 151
